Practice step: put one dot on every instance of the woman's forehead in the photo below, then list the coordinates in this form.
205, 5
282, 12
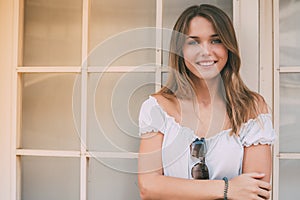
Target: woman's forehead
200, 26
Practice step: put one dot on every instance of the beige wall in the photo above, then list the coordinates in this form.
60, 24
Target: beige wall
6, 27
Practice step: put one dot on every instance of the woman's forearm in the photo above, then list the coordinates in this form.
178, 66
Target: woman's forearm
246, 186
158, 187
258, 158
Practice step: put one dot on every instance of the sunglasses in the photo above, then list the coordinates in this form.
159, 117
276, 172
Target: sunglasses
198, 150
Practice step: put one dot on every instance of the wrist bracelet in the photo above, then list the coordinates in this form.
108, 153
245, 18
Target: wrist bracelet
226, 187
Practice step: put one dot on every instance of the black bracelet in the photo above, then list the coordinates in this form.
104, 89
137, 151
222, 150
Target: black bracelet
226, 187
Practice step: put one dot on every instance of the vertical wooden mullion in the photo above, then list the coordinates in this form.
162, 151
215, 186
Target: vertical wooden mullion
159, 52
18, 132
236, 17
18, 20
266, 57
84, 75
20, 33
83, 161
266, 71
276, 99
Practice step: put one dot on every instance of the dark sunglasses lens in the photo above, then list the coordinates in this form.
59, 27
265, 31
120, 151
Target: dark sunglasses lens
198, 148
200, 171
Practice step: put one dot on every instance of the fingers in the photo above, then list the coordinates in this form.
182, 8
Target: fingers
263, 188
261, 184
260, 198
263, 191
264, 194
264, 185
249, 186
256, 175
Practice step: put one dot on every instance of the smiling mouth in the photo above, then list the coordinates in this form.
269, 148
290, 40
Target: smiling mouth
206, 63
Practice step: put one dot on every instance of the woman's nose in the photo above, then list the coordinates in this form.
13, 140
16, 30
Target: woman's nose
204, 49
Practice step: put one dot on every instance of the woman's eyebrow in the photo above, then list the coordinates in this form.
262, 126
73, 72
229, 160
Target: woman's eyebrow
192, 37
215, 35
196, 37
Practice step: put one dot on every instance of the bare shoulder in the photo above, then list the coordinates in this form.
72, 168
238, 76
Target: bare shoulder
261, 105
168, 103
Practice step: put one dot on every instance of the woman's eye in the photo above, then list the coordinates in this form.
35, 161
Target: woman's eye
216, 41
192, 42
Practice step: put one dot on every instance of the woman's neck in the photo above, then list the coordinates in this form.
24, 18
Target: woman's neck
208, 91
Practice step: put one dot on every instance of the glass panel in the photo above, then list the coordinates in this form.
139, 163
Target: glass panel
289, 179
113, 109
50, 178
289, 136
52, 32
164, 77
47, 111
105, 182
114, 33
289, 31
173, 8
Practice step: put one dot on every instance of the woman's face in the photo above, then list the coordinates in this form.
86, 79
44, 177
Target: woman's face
204, 54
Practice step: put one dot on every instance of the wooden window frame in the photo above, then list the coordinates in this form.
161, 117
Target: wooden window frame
276, 91
83, 154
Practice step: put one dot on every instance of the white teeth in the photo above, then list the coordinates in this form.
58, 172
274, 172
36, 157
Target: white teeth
206, 63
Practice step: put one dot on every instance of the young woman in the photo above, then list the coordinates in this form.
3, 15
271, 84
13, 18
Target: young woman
205, 135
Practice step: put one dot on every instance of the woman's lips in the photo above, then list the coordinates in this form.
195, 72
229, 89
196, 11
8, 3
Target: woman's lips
206, 63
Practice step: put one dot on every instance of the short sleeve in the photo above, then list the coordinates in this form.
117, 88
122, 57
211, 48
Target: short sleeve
258, 131
151, 117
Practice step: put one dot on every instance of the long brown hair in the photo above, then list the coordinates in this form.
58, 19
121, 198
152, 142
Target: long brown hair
241, 102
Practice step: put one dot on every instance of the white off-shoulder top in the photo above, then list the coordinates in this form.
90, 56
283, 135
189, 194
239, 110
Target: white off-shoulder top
224, 155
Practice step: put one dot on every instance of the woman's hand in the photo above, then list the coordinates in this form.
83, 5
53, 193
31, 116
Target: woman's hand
249, 187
